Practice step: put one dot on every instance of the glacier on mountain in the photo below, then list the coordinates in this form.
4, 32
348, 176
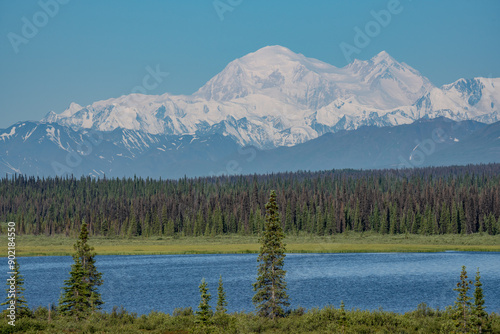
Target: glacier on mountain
274, 97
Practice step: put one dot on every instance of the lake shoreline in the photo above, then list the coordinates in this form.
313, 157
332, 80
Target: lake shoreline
29, 245
432, 276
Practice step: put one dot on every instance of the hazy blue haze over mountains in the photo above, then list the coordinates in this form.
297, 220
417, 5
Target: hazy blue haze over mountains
438, 142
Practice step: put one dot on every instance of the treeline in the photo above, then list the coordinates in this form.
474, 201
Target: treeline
419, 201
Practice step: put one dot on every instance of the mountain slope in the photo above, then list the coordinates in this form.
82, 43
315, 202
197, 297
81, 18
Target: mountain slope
435, 142
51, 149
482, 147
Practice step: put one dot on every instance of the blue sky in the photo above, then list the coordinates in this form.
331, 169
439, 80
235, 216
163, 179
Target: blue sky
91, 50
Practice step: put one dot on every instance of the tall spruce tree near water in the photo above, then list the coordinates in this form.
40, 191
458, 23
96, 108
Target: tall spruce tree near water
221, 298
271, 296
462, 304
204, 311
81, 295
479, 315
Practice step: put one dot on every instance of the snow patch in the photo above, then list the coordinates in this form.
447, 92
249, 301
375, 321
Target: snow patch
17, 170
55, 137
5, 136
29, 134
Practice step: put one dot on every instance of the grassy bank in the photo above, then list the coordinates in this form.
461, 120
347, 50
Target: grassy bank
29, 245
326, 320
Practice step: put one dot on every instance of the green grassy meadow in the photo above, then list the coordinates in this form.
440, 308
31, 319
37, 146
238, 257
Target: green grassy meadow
29, 245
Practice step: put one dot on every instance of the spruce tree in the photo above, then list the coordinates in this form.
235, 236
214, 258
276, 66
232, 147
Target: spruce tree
271, 296
357, 219
393, 220
320, 222
17, 281
170, 228
81, 295
490, 223
375, 219
417, 221
164, 219
221, 298
330, 223
342, 317
204, 311
462, 304
479, 315
383, 223
288, 217
454, 220
462, 220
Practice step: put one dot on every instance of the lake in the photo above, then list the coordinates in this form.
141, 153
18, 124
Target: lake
392, 281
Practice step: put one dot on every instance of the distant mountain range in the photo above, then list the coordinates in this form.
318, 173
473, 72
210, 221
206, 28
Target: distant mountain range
271, 110
275, 97
51, 149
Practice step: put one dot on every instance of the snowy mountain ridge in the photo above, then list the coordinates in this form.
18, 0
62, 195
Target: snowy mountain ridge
274, 97
51, 149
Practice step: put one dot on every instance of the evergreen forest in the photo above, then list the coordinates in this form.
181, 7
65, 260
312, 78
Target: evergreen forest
434, 200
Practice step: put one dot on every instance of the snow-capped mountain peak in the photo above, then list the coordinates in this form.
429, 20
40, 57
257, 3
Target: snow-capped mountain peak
476, 98
275, 97
381, 57
72, 109
272, 70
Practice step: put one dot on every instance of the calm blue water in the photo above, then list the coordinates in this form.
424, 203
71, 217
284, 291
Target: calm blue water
394, 281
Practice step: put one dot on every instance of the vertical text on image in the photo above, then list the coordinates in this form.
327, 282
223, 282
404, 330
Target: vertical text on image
11, 281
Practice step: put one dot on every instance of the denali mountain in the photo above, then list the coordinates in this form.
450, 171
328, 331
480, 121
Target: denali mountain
275, 97
271, 103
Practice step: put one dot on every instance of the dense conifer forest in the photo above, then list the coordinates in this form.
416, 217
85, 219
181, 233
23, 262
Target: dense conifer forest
413, 201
